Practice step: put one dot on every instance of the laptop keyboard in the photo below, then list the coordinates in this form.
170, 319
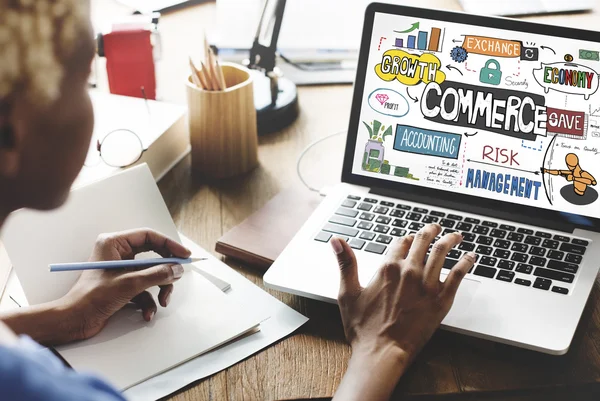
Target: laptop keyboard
509, 253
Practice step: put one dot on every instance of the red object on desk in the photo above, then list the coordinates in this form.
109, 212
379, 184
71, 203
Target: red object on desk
130, 63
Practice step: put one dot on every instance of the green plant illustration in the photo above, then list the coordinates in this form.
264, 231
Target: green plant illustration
377, 132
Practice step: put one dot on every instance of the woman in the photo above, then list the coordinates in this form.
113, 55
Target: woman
46, 121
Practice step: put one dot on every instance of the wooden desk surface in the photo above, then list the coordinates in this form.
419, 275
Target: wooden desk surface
310, 364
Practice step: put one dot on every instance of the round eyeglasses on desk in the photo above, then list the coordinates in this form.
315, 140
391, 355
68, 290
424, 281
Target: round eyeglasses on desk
119, 148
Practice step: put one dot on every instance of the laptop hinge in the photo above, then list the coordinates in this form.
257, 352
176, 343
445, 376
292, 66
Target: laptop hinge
558, 225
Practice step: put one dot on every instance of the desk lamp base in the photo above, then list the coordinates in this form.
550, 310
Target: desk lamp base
274, 116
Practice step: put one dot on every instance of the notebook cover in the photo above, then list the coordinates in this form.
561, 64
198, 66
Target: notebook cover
259, 239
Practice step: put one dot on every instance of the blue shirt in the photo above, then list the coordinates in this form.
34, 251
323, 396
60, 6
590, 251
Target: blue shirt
29, 372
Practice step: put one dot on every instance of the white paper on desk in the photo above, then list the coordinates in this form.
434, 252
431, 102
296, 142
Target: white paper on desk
129, 350
283, 321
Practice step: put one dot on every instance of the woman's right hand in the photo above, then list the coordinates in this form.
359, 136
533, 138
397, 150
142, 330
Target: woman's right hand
388, 322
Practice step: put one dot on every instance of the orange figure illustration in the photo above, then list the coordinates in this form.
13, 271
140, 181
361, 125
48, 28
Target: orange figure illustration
581, 179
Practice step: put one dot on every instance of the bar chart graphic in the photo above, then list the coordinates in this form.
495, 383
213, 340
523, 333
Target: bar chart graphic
423, 40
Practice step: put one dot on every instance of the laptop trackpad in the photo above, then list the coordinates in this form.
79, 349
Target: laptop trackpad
462, 302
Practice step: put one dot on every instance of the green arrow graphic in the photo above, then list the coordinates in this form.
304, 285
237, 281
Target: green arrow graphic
412, 28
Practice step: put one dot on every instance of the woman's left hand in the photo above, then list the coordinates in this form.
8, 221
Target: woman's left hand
98, 294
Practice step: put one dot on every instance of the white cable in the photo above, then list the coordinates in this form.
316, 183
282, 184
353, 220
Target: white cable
306, 149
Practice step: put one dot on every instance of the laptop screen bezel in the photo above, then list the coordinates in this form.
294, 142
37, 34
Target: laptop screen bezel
441, 197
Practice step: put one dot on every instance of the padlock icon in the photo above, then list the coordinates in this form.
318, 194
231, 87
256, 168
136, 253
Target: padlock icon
490, 75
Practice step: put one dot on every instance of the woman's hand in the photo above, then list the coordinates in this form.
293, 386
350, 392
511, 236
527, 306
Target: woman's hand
388, 322
98, 294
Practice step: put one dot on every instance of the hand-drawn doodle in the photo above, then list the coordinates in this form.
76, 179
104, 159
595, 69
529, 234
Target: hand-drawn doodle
432, 40
593, 55
381, 39
389, 102
459, 54
568, 123
374, 149
427, 142
410, 69
492, 46
570, 78
568, 58
491, 73
581, 181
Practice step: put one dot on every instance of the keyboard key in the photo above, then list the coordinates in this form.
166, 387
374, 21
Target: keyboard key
556, 255
420, 210
524, 268
356, 243
344, 221
323, 237
519, 248
449, 263
398, 232
507, 227
496, 233
400, 223
488, 261
454, 217
347, 231
520, 281
466, 246
468, 237
502, 244
403, 207
542, 284
447, 223
454, 254
531, 240
365, 206
379, 228
416, 226
505, 275
437, 214
580, 242
537, 251
381, 210
472, 220
342, 237
349, 203
543, 234
501, 253
365, 225
367, 235
485, 271
482, 239
342, 211
464, 226
563, 266
414, 216
484, 250
506, 264
562, 238
519, 257
385, 203
554, 275
573, 258
537, 261
384, 239
525, 231
367, 216
371, 200
576, 249
515, 237
383, 220
353, 197
448, 231
375, 248
551, 244
397, 213
481, 230
560, 290
430, 219
489, 224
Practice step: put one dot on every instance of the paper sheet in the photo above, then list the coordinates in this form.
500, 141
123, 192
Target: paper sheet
284, 321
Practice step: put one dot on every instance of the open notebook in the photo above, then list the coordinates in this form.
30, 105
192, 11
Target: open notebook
129, 350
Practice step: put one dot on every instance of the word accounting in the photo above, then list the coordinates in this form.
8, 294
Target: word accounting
492, 46
508, 112
570, 78
427, 142
410, 69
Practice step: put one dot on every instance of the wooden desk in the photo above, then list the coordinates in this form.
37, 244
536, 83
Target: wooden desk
310, 364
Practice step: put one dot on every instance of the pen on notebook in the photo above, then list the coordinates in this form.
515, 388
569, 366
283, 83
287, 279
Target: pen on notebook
121, 264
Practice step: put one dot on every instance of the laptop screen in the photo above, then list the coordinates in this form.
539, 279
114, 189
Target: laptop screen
474, 110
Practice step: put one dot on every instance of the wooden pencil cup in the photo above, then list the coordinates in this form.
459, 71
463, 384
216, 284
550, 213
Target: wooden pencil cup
223, 131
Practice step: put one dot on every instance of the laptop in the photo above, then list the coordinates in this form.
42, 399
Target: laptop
486, 126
